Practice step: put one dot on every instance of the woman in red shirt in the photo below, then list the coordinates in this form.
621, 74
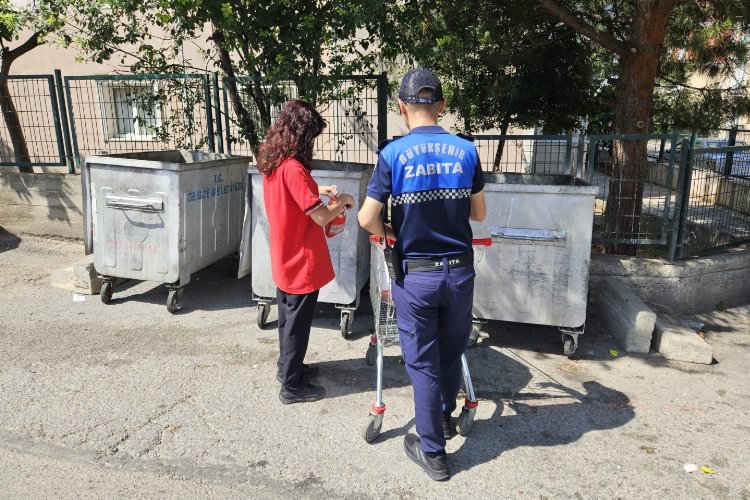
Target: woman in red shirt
300, 262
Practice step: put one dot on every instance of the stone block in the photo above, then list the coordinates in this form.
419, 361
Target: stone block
80, 277
626, 316
673, 340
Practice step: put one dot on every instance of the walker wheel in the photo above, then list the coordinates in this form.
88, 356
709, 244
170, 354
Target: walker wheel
465, 421
372, 354
371, 431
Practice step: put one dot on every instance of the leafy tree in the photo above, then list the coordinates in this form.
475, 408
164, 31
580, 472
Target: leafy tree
639, 35
308, 43
513, 67
37, 21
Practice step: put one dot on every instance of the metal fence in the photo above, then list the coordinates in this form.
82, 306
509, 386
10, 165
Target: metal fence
126, 113
31, 132
714, 206
528, 154
689, 200
634, 201
354, 111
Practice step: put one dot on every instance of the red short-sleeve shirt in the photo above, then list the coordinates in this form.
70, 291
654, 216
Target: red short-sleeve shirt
300, 261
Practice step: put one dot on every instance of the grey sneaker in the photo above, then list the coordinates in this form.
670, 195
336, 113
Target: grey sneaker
435, 467
305, 394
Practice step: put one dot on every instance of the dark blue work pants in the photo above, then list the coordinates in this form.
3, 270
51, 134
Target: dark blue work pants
295, 320
433, 311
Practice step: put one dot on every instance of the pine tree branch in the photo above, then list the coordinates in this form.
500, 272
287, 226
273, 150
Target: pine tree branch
553, 9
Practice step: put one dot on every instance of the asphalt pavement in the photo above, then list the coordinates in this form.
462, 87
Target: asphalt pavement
125, 400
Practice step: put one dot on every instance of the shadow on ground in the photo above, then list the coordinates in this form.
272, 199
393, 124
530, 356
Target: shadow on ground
8, 241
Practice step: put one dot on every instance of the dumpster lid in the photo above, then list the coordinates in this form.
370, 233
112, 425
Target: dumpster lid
173, 159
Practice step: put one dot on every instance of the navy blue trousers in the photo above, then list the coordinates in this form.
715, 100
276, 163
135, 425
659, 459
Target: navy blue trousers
295, 320
433, 312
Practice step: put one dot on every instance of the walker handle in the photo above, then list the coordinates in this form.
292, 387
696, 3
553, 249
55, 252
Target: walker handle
486, 242
376, 238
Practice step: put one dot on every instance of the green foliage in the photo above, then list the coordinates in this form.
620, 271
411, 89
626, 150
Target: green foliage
308, 44
43, 17
503, 64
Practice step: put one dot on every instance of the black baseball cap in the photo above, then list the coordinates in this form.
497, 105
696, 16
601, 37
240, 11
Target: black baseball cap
417, 79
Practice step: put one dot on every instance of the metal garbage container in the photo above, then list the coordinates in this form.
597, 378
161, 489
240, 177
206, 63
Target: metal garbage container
162, 215
536, 268
350, 250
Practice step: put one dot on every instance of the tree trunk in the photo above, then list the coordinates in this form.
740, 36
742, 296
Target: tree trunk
10, 113
246, 122
635, 88
500, 146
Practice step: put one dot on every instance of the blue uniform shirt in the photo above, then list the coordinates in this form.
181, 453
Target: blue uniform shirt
430, 175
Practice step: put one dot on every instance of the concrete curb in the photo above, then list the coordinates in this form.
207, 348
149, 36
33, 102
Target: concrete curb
627, 317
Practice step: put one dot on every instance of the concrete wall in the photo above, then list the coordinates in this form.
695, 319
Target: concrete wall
43, 204
697, 284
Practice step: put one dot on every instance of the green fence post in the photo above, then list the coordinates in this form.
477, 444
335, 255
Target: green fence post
217, 105
382, 107
227, 125
64, 120
682, 198
593, 141
209, 114
569, 157
73, 136
579, 156
730, 154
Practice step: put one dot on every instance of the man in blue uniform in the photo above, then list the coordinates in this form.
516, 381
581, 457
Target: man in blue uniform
435, 183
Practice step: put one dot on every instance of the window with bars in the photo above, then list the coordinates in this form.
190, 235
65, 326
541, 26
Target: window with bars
130, 111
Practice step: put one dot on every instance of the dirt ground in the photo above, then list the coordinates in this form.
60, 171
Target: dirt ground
127, 400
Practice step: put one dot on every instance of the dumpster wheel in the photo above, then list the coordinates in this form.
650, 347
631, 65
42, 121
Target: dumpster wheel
473, 337
346, 322
570, 339
263, 309
173, 300
106, 291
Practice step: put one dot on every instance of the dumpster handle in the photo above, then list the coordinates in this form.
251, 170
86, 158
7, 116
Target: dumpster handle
529, 234
147, 204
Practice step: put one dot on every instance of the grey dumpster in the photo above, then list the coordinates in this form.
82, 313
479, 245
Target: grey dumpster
162, 215
350, 250
537, 267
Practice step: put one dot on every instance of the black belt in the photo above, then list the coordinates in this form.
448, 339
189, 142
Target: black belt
436, 264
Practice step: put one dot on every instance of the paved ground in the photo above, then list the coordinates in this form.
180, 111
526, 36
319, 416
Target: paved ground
126, 400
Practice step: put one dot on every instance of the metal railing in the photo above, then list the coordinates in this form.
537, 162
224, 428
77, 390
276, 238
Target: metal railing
635, 200
127, 113
528, 154
31, 133
354, 110
714, 206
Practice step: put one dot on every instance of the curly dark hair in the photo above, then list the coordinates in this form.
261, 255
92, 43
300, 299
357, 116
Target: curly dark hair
292, 136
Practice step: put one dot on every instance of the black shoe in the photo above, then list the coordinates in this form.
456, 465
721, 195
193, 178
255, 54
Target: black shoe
308, 372
305, 394
449, 428
435, 467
